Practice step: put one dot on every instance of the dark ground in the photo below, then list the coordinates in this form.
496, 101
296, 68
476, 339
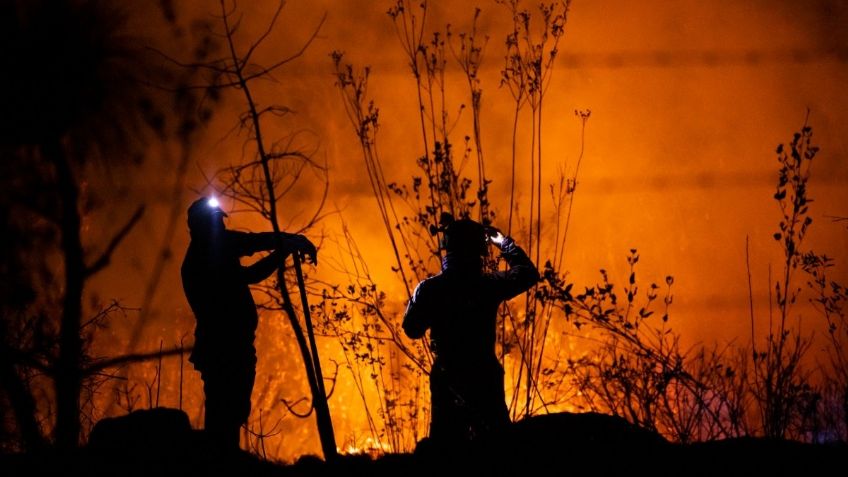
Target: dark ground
161, 442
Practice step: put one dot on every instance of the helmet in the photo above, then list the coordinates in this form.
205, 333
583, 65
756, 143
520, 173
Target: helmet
202, 213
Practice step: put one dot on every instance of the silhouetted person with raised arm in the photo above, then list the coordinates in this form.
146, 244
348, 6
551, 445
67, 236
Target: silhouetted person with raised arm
459, 306
217, 288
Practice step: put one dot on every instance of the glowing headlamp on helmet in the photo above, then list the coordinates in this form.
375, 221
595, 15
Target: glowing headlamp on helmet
204, 213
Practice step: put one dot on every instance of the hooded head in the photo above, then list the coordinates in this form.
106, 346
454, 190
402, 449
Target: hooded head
464, 240
205, 216
467, 238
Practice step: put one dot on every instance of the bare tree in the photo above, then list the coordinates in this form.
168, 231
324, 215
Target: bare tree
76, 101
260, 183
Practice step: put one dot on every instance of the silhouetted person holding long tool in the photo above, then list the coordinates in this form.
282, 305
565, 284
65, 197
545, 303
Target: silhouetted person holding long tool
459, 306
216, 286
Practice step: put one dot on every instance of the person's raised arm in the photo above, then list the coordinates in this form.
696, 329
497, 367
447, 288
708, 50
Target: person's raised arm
245, 243
263, 268
521, 275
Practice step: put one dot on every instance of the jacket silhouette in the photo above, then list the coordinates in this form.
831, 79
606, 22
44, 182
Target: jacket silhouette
459, 306
217, 288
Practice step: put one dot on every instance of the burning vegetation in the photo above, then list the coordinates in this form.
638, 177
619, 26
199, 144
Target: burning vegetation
330, 342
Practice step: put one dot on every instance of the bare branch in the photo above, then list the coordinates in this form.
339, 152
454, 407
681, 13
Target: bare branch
290, 407
106, 256
333, 380
264, 35
134, 358
269, 69
115, 305
25, 358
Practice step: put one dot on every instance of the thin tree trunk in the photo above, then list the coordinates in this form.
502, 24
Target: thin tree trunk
310, 361
322, 407
68, 375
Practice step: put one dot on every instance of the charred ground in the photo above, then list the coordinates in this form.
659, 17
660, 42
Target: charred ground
161, 442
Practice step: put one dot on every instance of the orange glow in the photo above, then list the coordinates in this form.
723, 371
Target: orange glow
688, 101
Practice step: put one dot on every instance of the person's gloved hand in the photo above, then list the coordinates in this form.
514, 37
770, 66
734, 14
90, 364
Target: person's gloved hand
503, 242
494, 235
305, 249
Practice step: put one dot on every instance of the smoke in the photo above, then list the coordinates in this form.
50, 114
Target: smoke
688, 100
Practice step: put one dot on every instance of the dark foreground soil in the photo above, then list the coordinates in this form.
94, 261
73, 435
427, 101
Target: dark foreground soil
160, 442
